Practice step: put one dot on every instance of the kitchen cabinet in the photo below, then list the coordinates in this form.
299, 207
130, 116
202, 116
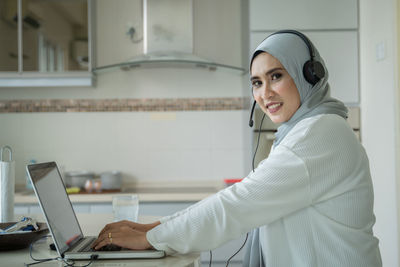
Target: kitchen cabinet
268, 15
331, 25
339, 49
47, 43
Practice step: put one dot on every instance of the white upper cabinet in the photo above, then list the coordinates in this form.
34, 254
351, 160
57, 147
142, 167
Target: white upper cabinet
339, 49
45, 43
331, 25
303, 14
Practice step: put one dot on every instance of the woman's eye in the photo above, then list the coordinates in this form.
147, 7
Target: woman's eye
256, 83
276, 76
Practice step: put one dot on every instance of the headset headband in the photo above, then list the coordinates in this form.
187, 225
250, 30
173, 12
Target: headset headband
302, 36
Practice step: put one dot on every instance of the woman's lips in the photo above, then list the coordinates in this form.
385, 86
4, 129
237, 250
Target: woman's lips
274, 107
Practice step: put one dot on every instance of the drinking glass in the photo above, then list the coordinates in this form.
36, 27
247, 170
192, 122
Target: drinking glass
125, 208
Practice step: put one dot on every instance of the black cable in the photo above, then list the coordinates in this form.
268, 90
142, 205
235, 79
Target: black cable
37, 260
69, 264
227, 262
245, 240
72, 264
258, 141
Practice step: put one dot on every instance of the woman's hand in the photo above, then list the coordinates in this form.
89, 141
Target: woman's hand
123, 236
134, 233
137, 226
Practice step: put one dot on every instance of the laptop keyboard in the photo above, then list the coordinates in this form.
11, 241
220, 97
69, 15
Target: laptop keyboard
109, 247
87, 247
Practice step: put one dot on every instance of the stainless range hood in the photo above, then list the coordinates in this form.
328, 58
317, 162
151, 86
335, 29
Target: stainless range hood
168, 38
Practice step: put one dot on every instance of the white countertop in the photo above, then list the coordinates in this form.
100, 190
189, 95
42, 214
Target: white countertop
91, 225
100, 198
147, 192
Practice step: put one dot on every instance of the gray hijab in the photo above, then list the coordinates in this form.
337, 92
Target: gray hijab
293, 52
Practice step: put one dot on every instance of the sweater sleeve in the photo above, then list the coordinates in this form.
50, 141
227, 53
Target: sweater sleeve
279, 186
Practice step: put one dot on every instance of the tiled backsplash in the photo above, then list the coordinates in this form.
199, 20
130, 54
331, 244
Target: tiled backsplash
146, 146
123, 105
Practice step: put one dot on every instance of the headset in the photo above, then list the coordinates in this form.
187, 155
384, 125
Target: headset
313, 70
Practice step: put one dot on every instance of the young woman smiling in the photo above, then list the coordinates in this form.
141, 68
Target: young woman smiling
309, 203
273, 88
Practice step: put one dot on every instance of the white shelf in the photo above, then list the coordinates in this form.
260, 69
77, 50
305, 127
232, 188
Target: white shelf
27, 79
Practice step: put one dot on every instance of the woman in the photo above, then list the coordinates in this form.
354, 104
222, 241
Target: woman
310, 202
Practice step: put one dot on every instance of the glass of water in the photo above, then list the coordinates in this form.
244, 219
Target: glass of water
125, 208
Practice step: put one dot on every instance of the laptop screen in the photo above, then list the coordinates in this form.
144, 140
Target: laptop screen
55, 204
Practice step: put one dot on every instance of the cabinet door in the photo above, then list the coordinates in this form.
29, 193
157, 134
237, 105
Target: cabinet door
52, 46
339, 49
303, 14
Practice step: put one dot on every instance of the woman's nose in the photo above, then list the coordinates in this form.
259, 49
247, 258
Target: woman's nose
267, 92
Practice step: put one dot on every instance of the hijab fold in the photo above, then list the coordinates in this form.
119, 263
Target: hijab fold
292, 52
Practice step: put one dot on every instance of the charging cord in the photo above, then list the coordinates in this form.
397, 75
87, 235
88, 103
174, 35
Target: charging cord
258, 141
37, 261
245, 240
69, 263
231, 257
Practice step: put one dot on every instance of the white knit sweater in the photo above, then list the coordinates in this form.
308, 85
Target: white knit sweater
312, 198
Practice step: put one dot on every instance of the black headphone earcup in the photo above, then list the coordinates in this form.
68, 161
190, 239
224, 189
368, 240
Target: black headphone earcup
313, 71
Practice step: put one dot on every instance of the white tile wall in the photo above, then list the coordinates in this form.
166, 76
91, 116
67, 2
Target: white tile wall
195, 145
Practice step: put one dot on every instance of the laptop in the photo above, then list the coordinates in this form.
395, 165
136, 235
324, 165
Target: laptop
62, 222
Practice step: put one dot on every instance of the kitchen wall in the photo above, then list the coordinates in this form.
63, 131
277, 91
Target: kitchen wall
380, 117
173, 145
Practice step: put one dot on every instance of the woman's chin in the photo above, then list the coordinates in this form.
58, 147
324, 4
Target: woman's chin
275, 119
